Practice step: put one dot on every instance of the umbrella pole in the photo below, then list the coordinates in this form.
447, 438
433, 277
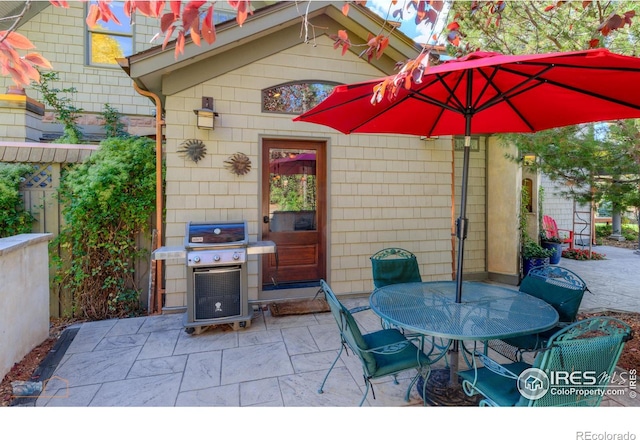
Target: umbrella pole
461, 233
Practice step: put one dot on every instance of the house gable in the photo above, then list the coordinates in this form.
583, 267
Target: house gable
271, 30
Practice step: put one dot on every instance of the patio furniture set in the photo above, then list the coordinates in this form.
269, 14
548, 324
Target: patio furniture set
422, 324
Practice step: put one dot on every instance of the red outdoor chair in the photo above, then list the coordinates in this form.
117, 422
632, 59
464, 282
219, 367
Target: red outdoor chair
551, 231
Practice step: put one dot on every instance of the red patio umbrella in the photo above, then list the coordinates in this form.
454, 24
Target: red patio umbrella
485, 93
303, 163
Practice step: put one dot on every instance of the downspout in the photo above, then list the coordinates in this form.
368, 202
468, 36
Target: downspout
157, 304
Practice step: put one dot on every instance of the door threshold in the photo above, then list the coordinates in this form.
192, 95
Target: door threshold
284, 286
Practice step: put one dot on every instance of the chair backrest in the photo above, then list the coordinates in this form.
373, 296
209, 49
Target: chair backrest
393, 266
579, 362
550, 227
349, 330
560, 287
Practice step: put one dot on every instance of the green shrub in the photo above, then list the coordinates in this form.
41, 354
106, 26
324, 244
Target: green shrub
13, 217
107, 201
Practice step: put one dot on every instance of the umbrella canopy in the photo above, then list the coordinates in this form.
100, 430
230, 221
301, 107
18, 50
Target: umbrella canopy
486, 93
303, 163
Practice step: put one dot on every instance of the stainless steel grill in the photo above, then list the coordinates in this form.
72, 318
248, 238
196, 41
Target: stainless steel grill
216, 256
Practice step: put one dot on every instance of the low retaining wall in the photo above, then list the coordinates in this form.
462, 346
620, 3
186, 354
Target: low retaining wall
24, 296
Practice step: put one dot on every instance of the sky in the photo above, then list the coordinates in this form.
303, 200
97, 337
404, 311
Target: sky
419, 33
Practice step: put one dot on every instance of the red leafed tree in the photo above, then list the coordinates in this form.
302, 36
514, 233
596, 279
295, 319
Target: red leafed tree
193, 19
177, 19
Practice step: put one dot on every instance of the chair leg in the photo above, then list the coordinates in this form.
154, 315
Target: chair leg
366, 391
330, 368
425, 372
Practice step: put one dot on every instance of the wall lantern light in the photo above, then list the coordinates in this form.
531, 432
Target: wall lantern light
528, 159
206, 117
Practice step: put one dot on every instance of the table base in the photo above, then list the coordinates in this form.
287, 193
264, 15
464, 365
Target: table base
439, 392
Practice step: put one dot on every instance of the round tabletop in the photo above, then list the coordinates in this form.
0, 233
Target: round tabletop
486, 312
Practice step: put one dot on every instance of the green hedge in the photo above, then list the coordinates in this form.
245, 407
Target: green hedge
14, 219
107, 201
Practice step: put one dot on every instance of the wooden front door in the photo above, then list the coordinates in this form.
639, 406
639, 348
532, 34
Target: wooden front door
294, 211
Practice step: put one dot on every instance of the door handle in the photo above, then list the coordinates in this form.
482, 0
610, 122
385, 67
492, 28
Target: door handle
265, 219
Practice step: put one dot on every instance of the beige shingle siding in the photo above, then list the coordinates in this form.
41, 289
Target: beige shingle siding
383, 190
59, 35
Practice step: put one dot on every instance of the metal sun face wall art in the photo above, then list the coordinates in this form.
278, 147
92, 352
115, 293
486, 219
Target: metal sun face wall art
194, 149
238, 164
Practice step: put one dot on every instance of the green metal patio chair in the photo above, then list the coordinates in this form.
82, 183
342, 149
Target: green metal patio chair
586, 351
561, 288
382, 353
393, 266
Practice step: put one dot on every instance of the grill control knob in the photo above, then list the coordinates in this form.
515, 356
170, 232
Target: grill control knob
236, 256
216, 257
196, 259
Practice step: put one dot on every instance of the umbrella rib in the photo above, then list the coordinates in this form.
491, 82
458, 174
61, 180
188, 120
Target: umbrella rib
575, 89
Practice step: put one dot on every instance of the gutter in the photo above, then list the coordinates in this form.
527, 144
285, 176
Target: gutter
157, 264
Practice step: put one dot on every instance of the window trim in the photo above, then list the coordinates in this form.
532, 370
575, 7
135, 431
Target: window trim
90, 32
302, 81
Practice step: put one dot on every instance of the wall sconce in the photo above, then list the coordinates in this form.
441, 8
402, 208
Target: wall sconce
528, 159
206, 117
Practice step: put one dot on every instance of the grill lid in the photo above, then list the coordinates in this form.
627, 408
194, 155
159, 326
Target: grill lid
200, 234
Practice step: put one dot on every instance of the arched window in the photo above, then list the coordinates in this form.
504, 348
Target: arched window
295, 97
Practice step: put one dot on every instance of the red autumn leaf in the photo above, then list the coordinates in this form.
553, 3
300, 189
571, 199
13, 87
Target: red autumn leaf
243, 9
9, 53
345, 9
106, 14
157, 6
586, 3
383, 45
179, 44
190, 13
59, 4
342, 34
195, 32
128, 8
30, 71
38, 60
628, 16
16, 40
92, 16
175, 6
453, 26
208, 29
167, 36
594, 43
166, 21
143, 6
18, 75
549, 8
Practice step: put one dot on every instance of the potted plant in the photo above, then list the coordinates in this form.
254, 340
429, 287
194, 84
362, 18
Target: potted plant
555, 245
533, 255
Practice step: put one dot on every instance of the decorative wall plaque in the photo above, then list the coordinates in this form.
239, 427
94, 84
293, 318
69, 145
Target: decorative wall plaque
239, 164
194, 149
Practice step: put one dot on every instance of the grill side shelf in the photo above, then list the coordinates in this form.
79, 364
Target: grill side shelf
169, 253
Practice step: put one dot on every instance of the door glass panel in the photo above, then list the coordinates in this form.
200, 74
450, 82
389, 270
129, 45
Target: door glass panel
292, 190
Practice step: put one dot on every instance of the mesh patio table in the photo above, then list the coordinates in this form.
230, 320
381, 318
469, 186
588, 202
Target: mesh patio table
486, 312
